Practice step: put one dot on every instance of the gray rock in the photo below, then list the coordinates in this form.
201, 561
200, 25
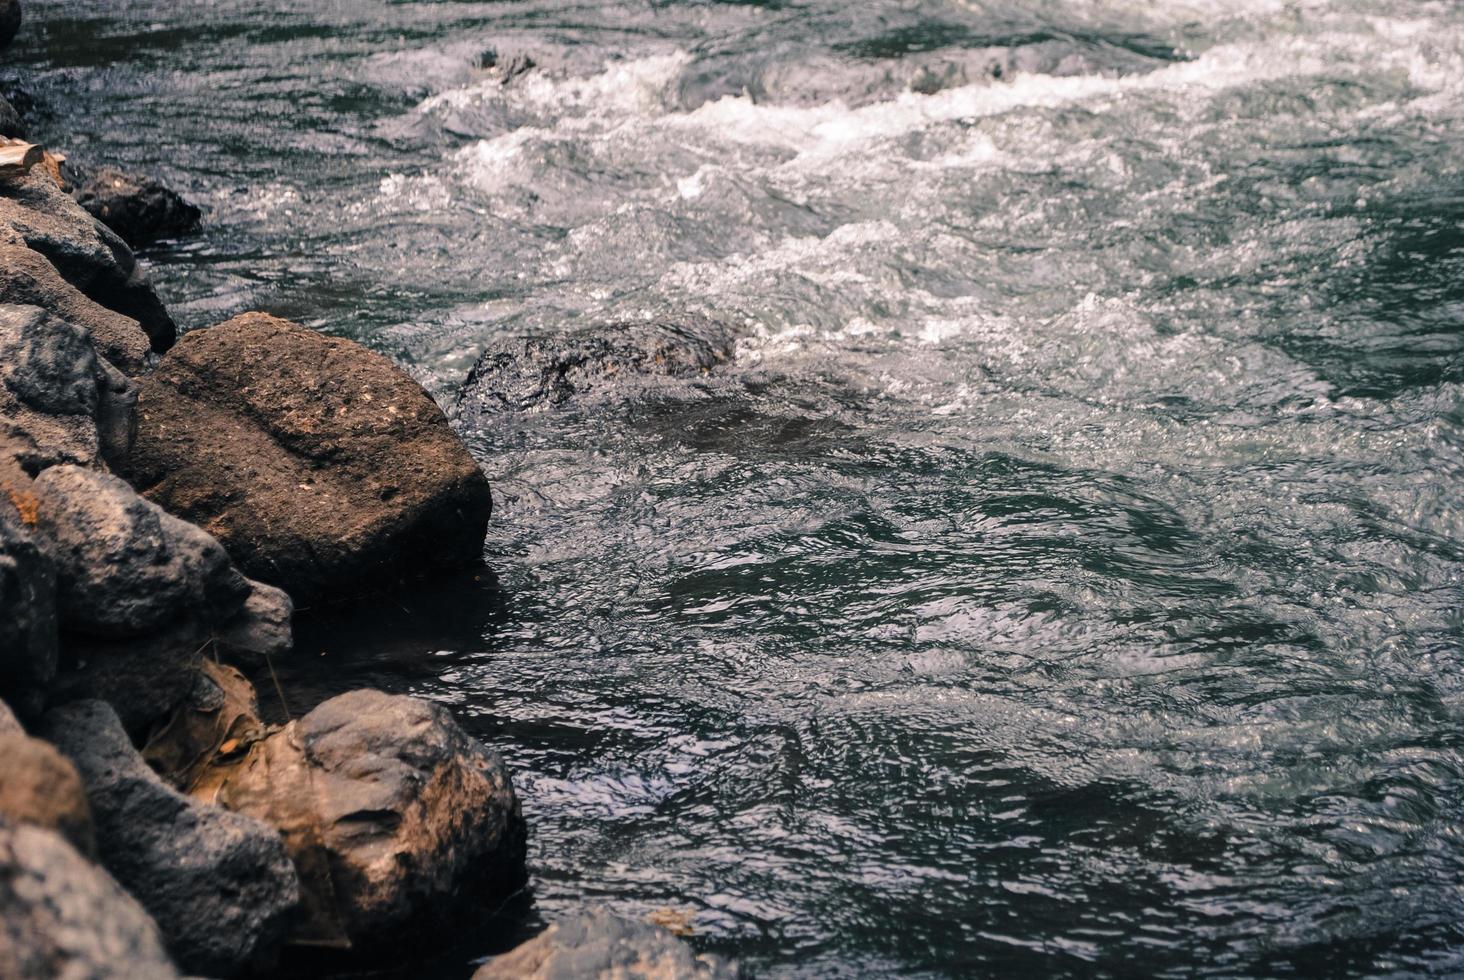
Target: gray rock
28, 624
393, 813
259, 631
28, 279
62, 916
9, 21
139, 209
219, 884
57, 397
124, 566
541, 372
36, 213
601, 946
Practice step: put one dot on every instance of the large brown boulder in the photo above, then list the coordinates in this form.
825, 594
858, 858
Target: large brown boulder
601, 946
394, 815
322, 468
62, 916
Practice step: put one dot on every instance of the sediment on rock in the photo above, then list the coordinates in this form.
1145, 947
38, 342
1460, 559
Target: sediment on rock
322, 468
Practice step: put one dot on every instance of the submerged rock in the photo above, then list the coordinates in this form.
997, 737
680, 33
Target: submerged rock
541, 372
394, 815
219, 884
139, 209
322, 468
58, 399
36, 213
601, 946
40, 786
62, 916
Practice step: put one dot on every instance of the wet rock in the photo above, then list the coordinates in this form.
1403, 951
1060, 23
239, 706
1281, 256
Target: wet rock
601, 946
321, 467
62, 916
542, 372
9, 21
58, 399
11, 125
39, 786
219, 884
394, 815
36, 213
28, 624
124, 566
28, 279
139, 209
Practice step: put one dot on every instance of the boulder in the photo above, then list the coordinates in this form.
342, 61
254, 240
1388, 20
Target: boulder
395, 816
220, 885
28, 279
9, 21
62, 916
124, 566
139, 209
39, 786
58, 399
322, 468
259, 631
539, 373
601, 946
28, 626
35, 212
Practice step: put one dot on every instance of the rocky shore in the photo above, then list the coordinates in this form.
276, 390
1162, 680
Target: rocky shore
164, 502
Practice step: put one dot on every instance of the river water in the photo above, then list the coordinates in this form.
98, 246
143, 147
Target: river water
1064, 580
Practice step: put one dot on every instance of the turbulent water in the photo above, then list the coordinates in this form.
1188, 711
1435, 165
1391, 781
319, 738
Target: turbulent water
1065, 580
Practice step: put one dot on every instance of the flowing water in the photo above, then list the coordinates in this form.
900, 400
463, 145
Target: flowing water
1065, 580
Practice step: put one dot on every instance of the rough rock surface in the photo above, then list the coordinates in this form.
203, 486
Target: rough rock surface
541, 372
124, 567
39, 786
321, 467
35, 212
28, 626
260, 630
62, 916
57, 397
27, 278
394, 815
601, 946
219, 884
139, 209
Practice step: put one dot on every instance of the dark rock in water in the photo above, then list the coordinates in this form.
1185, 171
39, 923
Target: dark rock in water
28, 279
393, 813
11, 125
36, 213
124, 566
28, 625
58, 400
40, 786
320, 466
219, 884
139, 209
260, 630
601, 946
542, 372
9, 21
62, 916
506, 66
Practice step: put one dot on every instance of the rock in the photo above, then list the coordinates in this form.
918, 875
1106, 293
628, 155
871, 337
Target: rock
11, 125
62, 916
261, 630
219, 884
393, 813
124, 566
57, 398
139, 209
35, 212
541, 372
28, 626
39, 786
321, 467
9, 21
27, 279
9, 724
601, 946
